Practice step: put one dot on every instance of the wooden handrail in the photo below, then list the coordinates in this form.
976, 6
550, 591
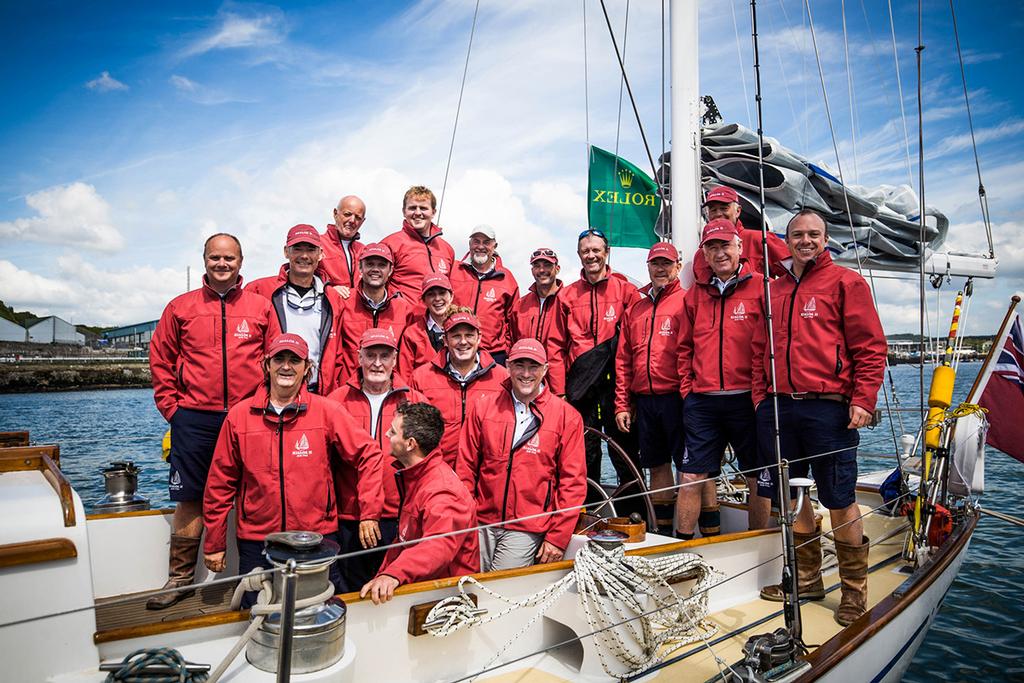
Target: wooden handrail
18, 452
33, 552
42, 458
13, 439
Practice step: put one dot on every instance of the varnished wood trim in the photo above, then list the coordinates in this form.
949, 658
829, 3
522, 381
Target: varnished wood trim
34, 552
856, 634
62, 486
18, 452
160, 627
135, 513
8, 439
28, 458
418, 615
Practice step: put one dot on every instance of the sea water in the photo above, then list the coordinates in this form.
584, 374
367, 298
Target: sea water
977, 635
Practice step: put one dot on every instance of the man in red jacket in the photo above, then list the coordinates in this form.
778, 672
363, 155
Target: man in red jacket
522, 454
273, 464
647, 374
718, 321
539, 316
371, 396
435, 503
424, 336
830, 355
723, 202
418, 247
593, 307
204, 357
375, 303
459, 376
483, 285
306, 305
341, 243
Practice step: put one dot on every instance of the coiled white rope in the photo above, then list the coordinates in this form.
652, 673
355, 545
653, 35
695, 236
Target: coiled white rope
631, 591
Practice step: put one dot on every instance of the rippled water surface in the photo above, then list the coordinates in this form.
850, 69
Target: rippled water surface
978, 634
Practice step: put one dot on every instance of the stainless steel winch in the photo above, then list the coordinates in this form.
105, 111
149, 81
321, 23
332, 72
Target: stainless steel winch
121, 481
318, 633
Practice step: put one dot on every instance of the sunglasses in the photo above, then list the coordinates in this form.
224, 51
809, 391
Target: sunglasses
592, 231
550, 253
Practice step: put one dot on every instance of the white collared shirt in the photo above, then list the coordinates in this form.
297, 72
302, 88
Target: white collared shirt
525, 419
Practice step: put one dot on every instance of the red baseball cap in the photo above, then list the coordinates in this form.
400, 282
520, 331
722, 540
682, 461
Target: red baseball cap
528, 349
289, 342
303, 233
544, 254
378, 336
723, 194
461, 319
377, 249
663, 250
435, 280
719, 229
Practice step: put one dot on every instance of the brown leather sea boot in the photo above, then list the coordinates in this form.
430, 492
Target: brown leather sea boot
853, 573
808, 569
181, 571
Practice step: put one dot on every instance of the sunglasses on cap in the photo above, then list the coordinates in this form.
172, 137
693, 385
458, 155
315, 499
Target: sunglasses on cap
592, 231
548, 253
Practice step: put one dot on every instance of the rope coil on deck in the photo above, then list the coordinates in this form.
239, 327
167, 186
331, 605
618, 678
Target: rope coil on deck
135, 665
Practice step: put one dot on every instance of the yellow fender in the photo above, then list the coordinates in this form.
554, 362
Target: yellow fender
166, 444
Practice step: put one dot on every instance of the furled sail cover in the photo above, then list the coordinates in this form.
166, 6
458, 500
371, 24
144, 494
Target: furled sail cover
879, 225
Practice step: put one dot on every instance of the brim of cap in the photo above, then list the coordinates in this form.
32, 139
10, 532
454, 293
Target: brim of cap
274, 352
302, 240
363, 256
526, 355
378, 343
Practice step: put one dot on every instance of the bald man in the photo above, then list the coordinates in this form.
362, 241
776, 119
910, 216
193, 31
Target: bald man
341, 243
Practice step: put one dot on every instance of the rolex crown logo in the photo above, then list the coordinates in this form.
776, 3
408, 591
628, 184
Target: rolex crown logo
626, 178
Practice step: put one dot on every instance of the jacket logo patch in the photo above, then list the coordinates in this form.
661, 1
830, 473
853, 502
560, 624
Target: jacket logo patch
242, 331
764, 478
533, 445
489, 296
686, 456
740, 312
666, 328
609, 315
810, 309
302, 449
442, 267
175, 480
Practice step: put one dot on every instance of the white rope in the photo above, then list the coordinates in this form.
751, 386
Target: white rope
612, 588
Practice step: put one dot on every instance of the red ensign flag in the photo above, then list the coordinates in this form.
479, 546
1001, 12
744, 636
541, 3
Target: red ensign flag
1003, 395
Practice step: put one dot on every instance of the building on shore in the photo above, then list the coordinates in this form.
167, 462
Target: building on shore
12, 331
138, 334
54, 330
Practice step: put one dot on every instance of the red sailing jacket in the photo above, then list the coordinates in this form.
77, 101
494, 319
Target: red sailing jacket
828, 338
593, 312
395, 314
752, 254
714, 348
546, 325
492, 296
454, 398
276, 469
342, 267
416, 257
545, 470
434, 501
415, 348
354, 401
646, 360
207, 351
330, 329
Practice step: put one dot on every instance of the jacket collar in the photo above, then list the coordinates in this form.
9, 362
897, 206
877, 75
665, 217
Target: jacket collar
435, 231
333, 233
355, 382
558, 288
672, 286
231, 293
822, 260
419, 470
440, 362
260, 403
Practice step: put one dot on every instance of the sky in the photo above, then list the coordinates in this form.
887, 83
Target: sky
131, 131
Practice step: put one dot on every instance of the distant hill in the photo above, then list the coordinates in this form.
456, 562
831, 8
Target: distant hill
26, 318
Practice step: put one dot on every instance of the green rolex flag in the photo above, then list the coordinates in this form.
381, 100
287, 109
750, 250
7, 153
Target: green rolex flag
623, 201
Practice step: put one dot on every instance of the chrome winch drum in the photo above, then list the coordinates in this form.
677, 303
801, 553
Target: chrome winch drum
318, 639
121, 481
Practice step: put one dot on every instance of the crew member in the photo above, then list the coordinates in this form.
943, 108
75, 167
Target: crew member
830, 354
593, 307
424, 336
375, 303
341, 243
719, 319
723, 202
306, 305
522, 454
539, 316
483, 285
435, 503
370, 397
273, 464
647, 373
204, 357
418, 247
459, 375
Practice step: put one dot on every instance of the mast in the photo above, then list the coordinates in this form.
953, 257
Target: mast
685, 176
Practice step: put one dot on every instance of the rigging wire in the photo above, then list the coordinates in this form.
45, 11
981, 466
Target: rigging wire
586, 82
739, 61
618, 114
899, 87
982, 197
920, 175
458, 110
849, 87
785, 80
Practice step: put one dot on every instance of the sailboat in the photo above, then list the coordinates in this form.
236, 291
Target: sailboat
634, 606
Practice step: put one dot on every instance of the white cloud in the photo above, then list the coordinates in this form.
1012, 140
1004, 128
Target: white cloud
70, 215
105, 83
236, 31
202, 94
33, 291
182, 83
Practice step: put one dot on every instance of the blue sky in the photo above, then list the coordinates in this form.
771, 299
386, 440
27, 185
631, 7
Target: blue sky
133, 130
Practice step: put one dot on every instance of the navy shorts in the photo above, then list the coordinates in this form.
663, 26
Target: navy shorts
659, 427
810, 427
357, 571
714, 421
193, 438
250, 556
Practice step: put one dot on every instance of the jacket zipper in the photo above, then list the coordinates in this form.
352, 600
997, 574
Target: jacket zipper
650, 339
721, 343
789, 336
540, 317
479, 287
839, 362
593, 312
547, 498
241, 503
463, 386
508, 475
224, 348
280, 469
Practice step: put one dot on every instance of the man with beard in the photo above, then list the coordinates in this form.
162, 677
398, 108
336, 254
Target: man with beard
538, 315
418, 247
341, 243
486, 288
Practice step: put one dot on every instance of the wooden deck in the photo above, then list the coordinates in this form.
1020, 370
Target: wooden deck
207, 600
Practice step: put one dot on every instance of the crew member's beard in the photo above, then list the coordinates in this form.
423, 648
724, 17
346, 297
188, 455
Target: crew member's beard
479, 260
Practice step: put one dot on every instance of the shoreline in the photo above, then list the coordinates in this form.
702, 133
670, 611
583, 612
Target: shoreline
24, 378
